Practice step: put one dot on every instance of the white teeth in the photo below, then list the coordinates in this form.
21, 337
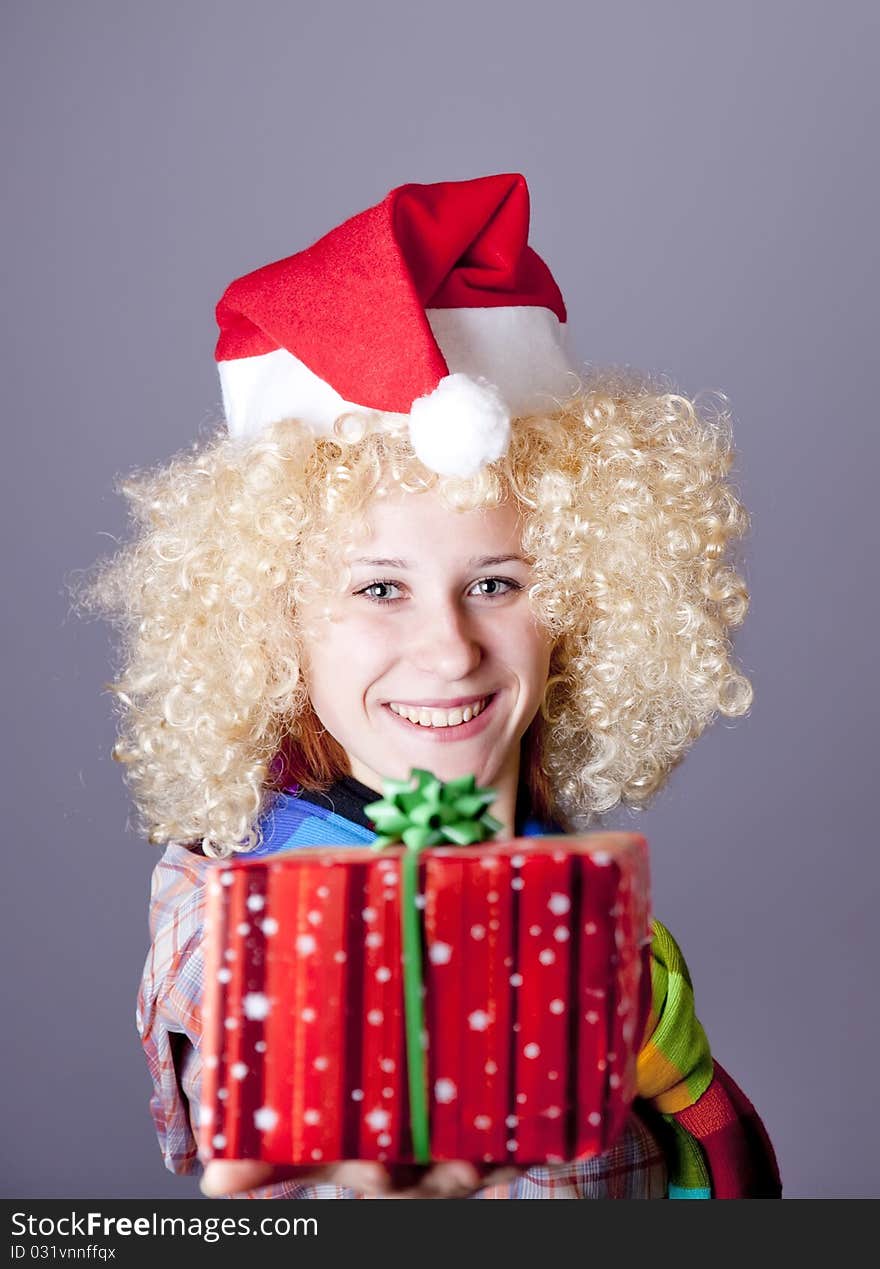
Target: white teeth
439, 717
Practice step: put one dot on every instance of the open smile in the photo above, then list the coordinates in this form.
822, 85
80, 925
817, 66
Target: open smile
425, 729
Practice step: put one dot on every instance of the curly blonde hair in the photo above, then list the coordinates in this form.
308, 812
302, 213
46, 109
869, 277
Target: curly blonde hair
627, 515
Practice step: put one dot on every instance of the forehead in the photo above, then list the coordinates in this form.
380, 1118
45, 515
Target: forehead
413, 526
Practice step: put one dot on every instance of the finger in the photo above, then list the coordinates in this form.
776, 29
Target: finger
362, 1175
440, 1180
232, 1176
499, 1176
449, 1180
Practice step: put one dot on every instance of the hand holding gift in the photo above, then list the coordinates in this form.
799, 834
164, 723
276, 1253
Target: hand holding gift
457, 1179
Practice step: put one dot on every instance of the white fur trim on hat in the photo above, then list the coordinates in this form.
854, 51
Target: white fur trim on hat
276, 385
461, 426
522, 350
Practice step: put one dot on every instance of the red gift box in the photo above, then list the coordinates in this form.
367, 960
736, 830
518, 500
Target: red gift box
537, 988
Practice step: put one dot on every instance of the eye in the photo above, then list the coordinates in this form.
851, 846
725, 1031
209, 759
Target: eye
497, 582
374, 586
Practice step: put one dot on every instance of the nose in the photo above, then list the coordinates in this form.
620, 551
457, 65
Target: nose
445, 644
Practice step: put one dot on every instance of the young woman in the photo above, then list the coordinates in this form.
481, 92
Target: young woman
425, 542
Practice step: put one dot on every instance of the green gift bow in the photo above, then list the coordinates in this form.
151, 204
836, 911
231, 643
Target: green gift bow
429, 814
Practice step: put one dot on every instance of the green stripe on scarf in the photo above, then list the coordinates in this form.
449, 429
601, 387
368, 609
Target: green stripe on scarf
686, 1164
675, 1063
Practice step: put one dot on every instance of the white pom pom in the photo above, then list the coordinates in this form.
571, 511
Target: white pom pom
460, 427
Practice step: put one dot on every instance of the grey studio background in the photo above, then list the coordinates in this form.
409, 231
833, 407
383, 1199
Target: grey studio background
704, 187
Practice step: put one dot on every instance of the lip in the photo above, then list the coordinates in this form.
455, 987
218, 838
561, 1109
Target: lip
447, 735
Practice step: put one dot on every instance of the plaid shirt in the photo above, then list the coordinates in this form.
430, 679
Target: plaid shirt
169, 1023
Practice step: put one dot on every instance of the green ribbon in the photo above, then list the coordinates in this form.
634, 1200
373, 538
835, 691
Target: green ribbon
429, 814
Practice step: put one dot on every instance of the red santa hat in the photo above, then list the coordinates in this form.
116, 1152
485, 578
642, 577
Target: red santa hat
430, 305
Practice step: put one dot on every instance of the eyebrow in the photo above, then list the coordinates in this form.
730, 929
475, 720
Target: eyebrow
478, 561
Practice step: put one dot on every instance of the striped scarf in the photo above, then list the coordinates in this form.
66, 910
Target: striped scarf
716, 1146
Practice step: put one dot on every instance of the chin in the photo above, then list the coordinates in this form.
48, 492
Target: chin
443, 767
455, 770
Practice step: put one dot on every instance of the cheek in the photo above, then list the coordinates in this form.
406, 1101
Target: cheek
342, 659
527, 650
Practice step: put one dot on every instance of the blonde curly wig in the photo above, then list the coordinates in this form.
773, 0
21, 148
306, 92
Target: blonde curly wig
627, 514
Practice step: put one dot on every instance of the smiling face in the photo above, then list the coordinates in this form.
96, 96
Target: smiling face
435, 624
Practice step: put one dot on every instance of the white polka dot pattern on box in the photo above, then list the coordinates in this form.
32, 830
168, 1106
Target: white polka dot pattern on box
445, 1091
256, 1006
479, 1020
511, 981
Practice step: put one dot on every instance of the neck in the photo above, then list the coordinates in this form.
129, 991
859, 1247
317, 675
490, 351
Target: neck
506, 783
